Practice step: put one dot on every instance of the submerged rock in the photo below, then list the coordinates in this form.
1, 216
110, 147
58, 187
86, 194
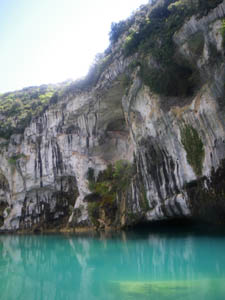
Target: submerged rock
187, 289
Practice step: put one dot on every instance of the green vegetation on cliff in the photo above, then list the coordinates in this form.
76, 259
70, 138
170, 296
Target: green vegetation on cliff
152, 40
194, 148
13, 159
223, 32
17, 108
149, 33
110, 182
156, 30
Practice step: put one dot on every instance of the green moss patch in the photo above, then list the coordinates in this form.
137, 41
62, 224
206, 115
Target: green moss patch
13, 159
222, 30
110, 182
196, 43
194, 148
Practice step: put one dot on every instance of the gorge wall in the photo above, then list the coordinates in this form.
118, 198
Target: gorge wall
126, 150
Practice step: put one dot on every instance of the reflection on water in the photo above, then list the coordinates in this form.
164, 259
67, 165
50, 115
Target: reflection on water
154, 266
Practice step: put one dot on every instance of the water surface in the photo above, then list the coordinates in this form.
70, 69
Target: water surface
150, 265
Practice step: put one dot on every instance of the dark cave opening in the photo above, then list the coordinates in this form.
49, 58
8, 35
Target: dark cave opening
179, 226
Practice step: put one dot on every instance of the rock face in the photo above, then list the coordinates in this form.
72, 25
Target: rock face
175, 143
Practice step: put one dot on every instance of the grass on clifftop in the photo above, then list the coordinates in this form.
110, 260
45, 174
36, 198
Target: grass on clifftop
19, 107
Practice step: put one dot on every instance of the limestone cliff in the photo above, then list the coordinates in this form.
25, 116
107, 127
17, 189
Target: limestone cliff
142, 138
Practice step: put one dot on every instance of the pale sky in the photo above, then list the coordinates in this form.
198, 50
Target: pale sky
49, 41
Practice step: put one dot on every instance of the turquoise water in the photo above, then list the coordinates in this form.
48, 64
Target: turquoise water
127, 266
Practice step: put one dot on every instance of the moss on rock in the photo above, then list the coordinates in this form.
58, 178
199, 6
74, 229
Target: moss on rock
222, 30
196, 43
194, 148
110, 182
